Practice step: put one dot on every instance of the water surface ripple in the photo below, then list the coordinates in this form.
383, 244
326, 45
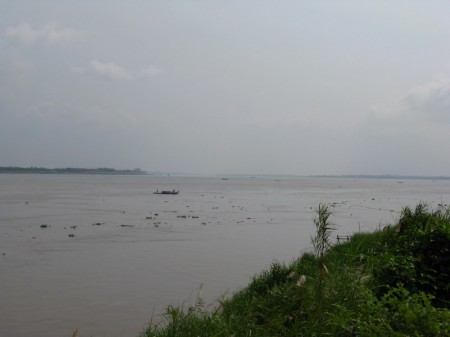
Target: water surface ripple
103, 253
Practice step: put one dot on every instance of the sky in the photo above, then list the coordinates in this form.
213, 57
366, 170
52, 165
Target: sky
227, 87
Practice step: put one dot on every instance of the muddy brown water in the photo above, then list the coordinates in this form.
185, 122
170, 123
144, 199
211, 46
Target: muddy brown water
112, 254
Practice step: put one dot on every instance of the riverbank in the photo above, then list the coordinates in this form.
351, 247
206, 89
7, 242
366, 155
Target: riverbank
390, 282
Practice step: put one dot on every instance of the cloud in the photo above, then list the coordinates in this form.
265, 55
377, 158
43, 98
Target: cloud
51, 33
114, 71
110, 70
431, 100
150, 71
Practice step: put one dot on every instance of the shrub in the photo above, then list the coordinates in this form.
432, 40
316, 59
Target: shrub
418, 255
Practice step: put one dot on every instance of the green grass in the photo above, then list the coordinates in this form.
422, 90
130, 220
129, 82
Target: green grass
374, 285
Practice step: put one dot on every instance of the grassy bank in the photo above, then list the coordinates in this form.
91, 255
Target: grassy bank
393, 282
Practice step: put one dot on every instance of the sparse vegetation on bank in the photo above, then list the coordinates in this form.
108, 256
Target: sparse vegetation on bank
393, 282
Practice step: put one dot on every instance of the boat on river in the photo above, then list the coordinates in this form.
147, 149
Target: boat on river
173, 192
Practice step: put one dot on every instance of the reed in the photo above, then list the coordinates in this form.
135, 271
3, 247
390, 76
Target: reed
321, 243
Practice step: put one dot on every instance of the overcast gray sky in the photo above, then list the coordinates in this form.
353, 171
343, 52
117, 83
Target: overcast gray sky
253, 87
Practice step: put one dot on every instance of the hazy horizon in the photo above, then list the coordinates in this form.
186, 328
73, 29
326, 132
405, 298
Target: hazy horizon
139, 171
227, 87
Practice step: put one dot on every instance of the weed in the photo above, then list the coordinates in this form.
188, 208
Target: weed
321, 243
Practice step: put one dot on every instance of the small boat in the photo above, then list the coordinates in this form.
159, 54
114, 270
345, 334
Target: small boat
173, 192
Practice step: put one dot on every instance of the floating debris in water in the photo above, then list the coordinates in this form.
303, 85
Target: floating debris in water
44, 226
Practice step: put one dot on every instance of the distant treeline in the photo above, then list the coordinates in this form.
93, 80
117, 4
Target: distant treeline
382, 176
68, 170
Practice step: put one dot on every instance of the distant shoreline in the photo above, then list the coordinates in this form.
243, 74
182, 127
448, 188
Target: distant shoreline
69, 170
138, 171
381, 176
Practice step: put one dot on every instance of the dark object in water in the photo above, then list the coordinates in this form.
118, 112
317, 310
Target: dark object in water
343, 238
173, 192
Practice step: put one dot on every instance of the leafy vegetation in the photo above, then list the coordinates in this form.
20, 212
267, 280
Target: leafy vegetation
392, 282
418, 257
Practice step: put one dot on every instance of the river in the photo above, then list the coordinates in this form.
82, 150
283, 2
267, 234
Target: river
103, 254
